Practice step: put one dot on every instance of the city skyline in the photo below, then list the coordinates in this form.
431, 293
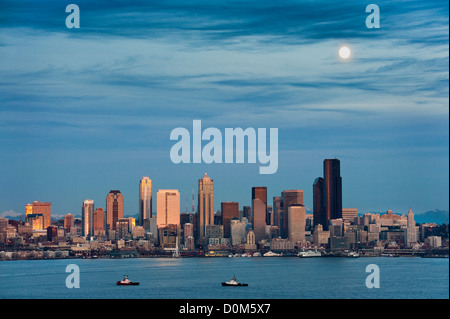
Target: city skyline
116, 201
142, 69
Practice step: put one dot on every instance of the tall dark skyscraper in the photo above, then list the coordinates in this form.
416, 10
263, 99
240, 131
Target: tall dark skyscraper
229, 210
327, 194
114, 208
333, 188
319, 216
260, 192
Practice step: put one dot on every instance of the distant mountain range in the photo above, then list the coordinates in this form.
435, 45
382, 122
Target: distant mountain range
437, 216
433, 216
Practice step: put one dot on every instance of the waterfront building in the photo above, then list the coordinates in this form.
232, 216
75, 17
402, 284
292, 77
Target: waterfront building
338, 243
69, 222
114, 208
320, 236
168, 235
336, 227
205, 205
145, 200
40, 208
167, 207
434, 241
213, 231
250, 240
282, 244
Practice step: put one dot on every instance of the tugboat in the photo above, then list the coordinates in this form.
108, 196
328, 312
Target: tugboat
233, 282
127, 282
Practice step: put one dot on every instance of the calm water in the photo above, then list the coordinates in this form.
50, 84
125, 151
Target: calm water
200, 278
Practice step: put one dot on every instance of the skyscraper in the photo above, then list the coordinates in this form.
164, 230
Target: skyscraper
319, 216
297, 223
288, 198
87, 218
411, 229
167, 207
229, 211
276, 210
259, 219
114, 208
145, 200
260, 192
205, 205
333, 188
69, 222
99, 222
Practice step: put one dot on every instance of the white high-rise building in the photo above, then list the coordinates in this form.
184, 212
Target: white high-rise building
145, 200
411, 229
167, 207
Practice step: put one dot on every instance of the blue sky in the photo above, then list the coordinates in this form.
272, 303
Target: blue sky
83, 111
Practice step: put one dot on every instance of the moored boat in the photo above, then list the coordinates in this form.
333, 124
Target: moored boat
271, 254
309, 253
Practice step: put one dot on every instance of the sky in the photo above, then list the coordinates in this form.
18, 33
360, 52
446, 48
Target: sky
84, 111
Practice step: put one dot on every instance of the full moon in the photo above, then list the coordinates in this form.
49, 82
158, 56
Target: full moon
344, 52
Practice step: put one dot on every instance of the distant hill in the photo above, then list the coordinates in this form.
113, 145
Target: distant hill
433, 216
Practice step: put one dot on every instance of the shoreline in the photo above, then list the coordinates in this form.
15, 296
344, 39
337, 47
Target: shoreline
433, 256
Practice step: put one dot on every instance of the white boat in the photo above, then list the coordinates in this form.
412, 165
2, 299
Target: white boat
257, 254
271, 254
309, 253
353, 254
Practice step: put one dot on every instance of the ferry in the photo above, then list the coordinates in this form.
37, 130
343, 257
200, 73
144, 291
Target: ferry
127, 282
309, 253
233, 283
353, 254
